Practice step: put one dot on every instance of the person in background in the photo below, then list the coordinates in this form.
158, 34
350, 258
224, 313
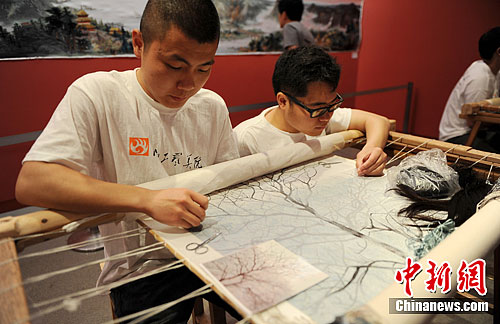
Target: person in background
480, 81
294, 32
115, 130
305, 80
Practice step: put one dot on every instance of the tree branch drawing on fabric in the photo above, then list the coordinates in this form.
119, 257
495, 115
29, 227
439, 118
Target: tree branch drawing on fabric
293, 188
345, 225
263, 275
358, 273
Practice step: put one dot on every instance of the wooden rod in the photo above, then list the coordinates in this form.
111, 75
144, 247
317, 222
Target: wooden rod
462, 150
45, 221
13, 305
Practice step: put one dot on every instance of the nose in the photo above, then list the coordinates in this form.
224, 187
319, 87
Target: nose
186, 83
326, 116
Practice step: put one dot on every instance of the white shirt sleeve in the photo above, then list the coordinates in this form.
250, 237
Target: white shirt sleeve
71, 136
340, 121
246, 143
227, 149
478, 89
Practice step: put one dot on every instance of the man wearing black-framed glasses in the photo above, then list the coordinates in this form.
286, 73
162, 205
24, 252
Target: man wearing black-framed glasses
305, 80
320, 111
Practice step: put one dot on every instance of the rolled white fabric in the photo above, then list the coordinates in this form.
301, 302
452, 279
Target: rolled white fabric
222, 175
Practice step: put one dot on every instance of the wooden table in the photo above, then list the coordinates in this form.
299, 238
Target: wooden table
479, 113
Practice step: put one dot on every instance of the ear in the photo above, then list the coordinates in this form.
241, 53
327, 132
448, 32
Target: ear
138, 43
282, 18
282, 100
283, 15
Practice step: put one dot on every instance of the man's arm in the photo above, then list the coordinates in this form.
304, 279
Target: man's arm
477, 90
56, 186
492, 101
372, 158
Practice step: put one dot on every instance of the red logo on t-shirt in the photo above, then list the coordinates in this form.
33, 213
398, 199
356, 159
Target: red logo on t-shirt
138, 146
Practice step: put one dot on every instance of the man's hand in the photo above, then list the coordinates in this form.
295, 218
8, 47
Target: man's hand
177, 207
370, 161
52, 185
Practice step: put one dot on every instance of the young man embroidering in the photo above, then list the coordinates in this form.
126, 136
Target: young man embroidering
305, 80
113, 130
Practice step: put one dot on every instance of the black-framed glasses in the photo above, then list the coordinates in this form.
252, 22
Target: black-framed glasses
318, 112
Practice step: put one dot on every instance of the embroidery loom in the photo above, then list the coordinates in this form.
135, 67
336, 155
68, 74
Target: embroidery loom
292, 206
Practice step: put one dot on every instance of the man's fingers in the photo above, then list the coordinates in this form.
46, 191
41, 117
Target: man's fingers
196, 210
192, 219
184, 224
376, 168
373, 165
366, 162
377, 171
200, 199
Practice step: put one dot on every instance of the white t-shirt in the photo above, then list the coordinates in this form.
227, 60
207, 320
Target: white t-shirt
257, 134
477, 83
106, 126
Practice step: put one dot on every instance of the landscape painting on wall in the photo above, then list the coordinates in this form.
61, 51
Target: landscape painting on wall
44, 28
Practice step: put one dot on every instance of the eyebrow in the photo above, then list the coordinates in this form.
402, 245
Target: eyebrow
183, 60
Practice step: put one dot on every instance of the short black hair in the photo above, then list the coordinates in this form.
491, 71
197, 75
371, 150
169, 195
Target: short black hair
489, 43
197, 19
298, 67
293, 8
